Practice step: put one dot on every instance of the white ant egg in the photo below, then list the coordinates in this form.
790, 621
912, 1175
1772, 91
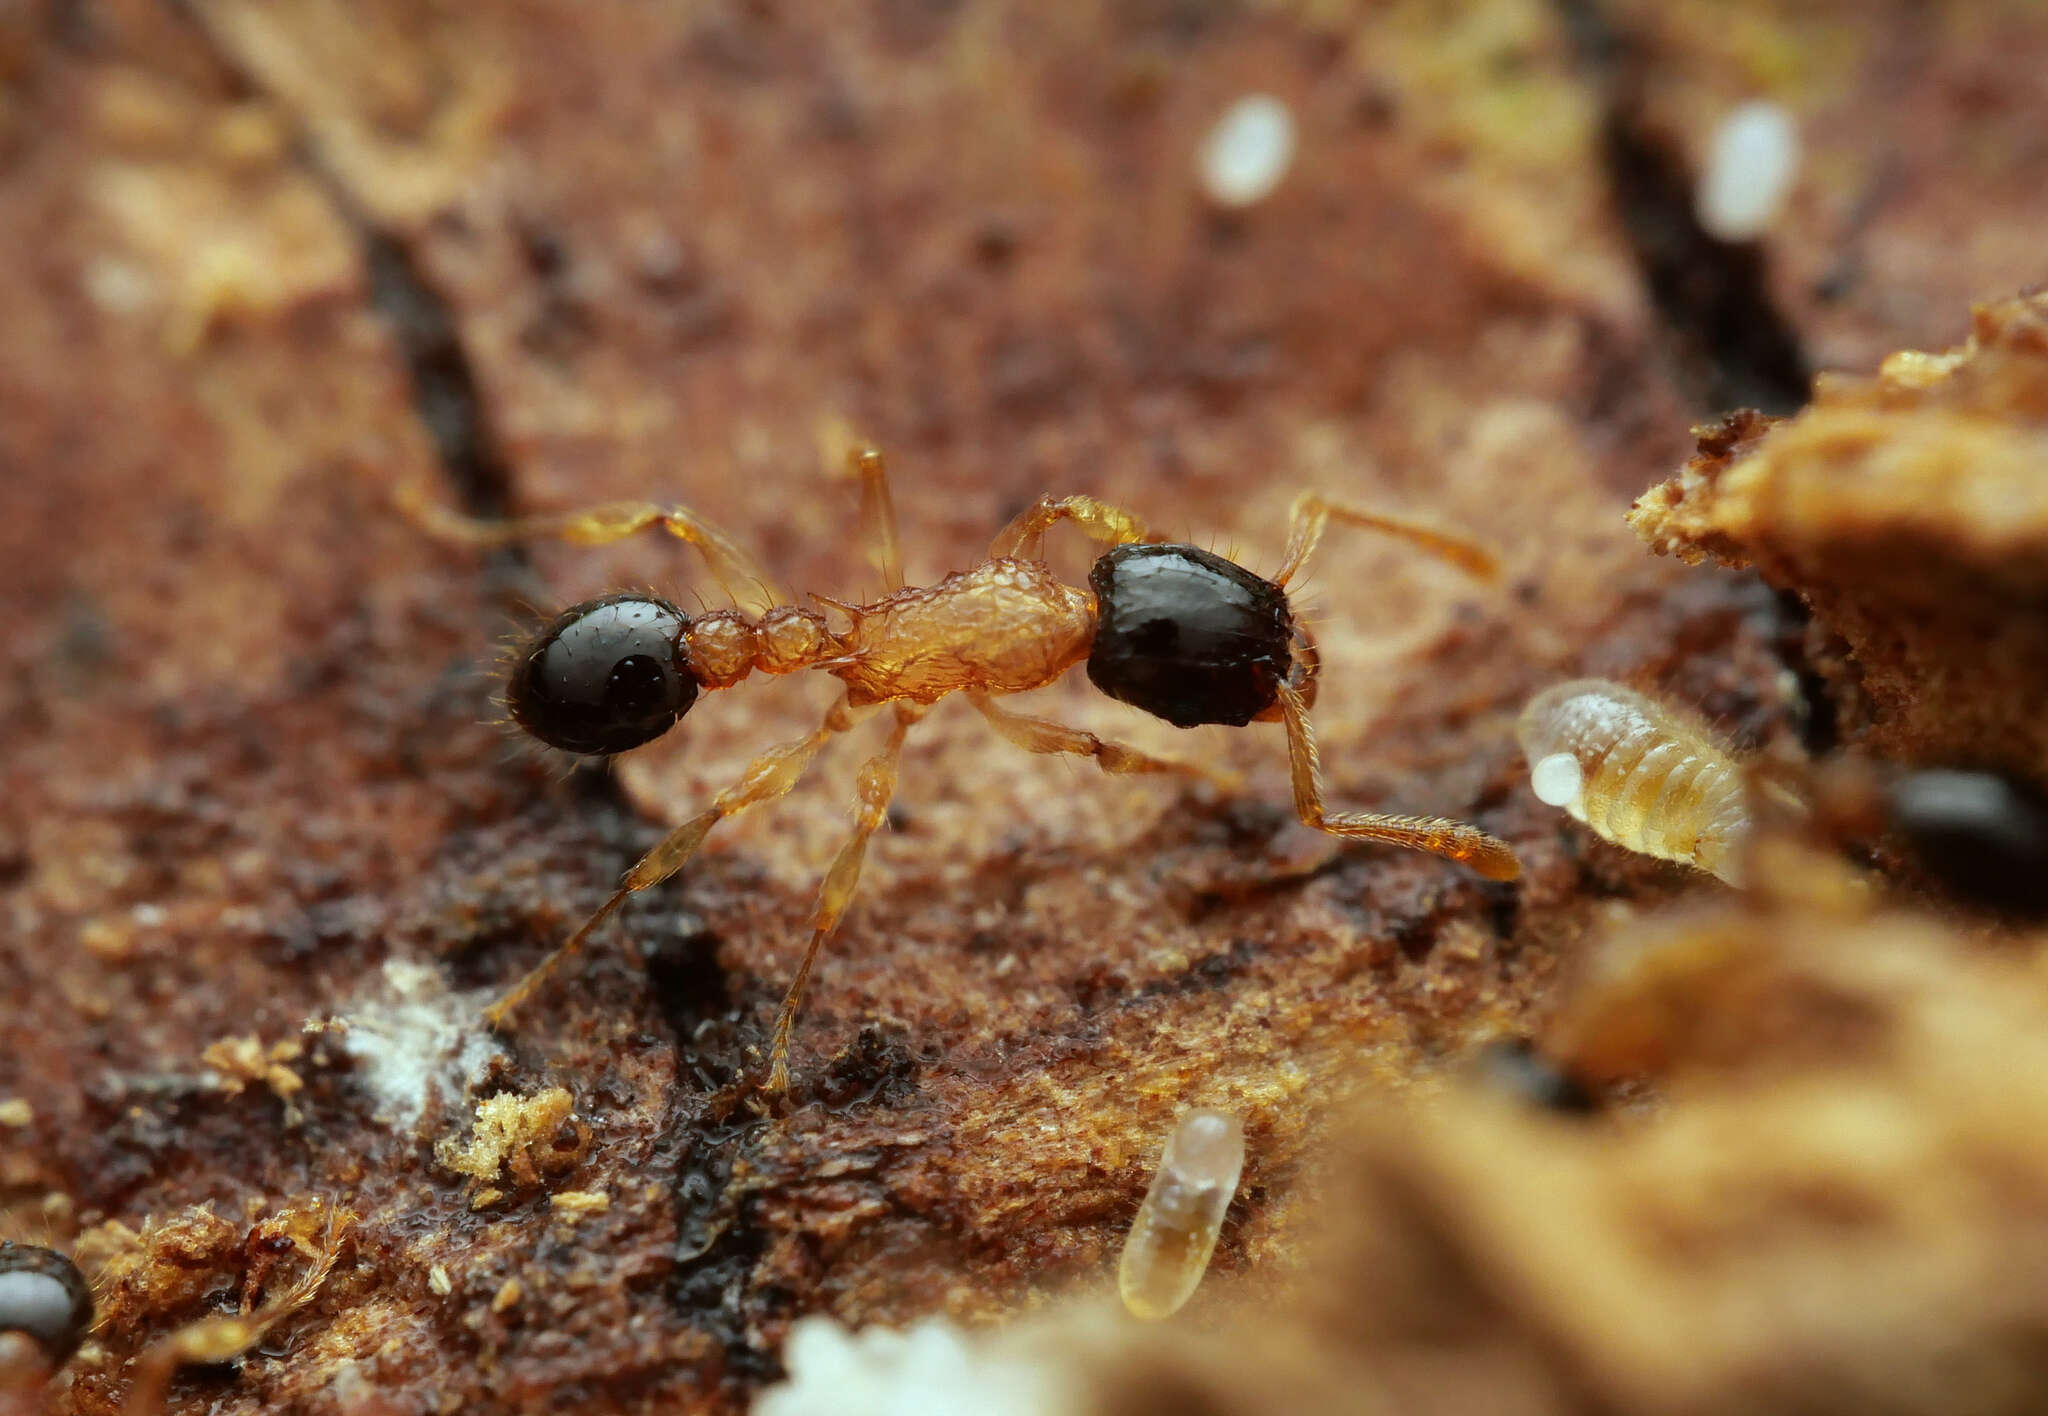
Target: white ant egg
1247, 152
1748, 172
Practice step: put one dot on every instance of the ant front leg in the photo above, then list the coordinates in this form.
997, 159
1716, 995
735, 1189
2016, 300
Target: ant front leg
735, 571
1453, 840
767, 777
1044, 735
1312, 514
1099, 521
876, 786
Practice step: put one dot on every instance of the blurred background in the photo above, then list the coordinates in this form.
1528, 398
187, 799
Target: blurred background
268, 262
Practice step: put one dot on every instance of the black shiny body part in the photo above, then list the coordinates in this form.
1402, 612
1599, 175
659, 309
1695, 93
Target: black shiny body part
605, 676
1513, 1067
1187, 635
45, 1297
1980, 835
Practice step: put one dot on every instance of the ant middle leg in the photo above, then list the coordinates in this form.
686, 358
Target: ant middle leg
767, 777
1043, 735
736, 572
1453, 840
876, 786
1312, 514
1098, 520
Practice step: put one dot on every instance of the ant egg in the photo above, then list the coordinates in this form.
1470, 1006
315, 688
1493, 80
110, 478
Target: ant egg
1638, 773
1176, 1229
1247, 152
1749, 172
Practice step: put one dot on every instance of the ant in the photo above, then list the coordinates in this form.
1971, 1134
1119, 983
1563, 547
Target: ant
1178, 631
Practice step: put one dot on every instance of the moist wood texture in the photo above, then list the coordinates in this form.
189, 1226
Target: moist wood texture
269, 262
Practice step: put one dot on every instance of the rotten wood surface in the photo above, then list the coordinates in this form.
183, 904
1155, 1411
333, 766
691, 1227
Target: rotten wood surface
270, 262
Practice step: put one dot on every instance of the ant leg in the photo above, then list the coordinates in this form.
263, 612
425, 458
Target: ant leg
877, 784
1453, 840
1311, 514
878, 514
735, 571
1044, 735
1099, 521
767, 777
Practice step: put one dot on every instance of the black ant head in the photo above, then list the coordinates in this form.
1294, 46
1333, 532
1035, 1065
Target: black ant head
1193, 638
605, 676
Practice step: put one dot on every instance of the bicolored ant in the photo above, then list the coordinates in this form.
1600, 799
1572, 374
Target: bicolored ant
1173, 629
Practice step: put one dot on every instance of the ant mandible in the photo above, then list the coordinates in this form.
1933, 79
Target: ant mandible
1178, 631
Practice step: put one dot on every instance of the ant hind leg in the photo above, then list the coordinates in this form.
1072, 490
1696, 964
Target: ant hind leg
767, 777
876, 786
1043, 735
1453, 840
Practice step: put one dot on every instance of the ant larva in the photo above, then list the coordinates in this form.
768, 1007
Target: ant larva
1180, 632
1641, 774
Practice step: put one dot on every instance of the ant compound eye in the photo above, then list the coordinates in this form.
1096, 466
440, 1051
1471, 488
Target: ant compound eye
44, 1297
1188, 636
606, 676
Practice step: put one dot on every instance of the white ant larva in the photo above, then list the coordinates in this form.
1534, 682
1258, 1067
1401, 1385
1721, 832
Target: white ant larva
1176, 1229
1640, 774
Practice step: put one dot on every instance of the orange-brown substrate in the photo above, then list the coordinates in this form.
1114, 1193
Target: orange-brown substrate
1910, 510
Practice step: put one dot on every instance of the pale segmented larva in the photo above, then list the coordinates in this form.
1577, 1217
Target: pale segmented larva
1175, 1232
1641, 775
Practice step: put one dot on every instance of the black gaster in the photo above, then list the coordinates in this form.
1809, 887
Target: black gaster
1982, 835
1187, 635
605, 676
